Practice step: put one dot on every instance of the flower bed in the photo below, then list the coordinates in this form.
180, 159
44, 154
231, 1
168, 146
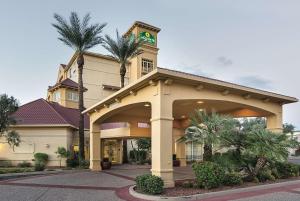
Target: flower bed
179, 190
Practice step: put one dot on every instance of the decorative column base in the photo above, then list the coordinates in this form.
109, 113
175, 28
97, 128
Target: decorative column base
95, 165
166, 175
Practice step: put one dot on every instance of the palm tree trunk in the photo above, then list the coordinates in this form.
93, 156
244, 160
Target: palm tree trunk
207, 153
122, 74
260, 163
80, 63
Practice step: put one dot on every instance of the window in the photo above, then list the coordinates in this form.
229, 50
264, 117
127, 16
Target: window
193, 151
147, 66
72, 96
56, 96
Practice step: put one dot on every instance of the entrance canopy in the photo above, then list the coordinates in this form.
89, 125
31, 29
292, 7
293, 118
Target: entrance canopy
164, 99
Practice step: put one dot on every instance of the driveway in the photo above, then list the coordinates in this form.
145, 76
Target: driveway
112, 185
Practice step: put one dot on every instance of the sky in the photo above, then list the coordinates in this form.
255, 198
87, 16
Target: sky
254, 43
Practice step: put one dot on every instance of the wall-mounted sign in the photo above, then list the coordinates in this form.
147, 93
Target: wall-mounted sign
147, 37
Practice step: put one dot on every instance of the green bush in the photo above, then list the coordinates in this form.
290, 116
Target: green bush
265, 175
14, 170
208, 174
149, 184
84, 164
41, 158
39, 166
24, 164
227, 160
286, 170
141, 155
71, 162
232, 179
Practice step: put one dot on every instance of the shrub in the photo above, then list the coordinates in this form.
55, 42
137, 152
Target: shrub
136, 155
265, 175
149, 184
227, 160
24, 164
208, 174
41, 158
39, 166
84, 164
286, 170
71, 162
232, 179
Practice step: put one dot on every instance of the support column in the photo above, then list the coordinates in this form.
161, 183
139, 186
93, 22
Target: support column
95, 157
274, 123
161, 137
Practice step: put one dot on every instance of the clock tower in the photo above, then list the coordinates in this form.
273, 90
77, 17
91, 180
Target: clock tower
147, 61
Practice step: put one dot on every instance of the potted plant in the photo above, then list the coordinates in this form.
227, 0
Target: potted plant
105, 164
176, 161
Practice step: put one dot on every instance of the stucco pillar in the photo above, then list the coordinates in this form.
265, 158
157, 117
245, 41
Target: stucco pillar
274, 122
161, 137
95, 157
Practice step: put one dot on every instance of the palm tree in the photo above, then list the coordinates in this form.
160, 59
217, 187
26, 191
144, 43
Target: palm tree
206, 129
80, 36
266, 145
123, 49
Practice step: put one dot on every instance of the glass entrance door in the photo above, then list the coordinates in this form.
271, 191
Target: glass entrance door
111, 150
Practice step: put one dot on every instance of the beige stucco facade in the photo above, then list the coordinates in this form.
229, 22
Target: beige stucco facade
35, 139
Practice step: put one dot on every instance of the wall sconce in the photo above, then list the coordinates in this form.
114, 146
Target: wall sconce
47, 145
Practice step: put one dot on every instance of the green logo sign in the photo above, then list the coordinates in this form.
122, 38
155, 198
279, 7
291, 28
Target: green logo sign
147, 37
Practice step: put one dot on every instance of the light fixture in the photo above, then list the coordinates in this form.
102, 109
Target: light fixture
201, 110
200, 102
183, 116
147, 105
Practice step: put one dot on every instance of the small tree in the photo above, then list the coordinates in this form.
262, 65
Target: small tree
143, 144
8, 105
62, 153
206, 129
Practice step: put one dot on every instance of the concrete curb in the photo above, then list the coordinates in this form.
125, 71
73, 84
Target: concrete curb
211, 194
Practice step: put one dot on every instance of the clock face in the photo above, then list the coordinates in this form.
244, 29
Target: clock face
147, 37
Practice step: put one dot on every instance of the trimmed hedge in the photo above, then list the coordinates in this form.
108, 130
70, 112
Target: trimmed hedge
24, 164
208, 174
41, 158
232, 179
149, 184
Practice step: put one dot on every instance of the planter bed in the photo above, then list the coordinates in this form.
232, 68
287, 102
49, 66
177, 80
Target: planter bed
178, 190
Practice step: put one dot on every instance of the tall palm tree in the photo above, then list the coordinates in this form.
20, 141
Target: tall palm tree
206, 129
123, 49
80, 36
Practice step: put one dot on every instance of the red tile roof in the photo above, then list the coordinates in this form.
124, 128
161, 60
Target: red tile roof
68, 83
42, 112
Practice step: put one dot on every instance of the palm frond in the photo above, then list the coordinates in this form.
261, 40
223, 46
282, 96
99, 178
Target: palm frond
78, 34
123, 48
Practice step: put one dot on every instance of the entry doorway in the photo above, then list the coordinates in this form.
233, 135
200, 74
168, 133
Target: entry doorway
111, 149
